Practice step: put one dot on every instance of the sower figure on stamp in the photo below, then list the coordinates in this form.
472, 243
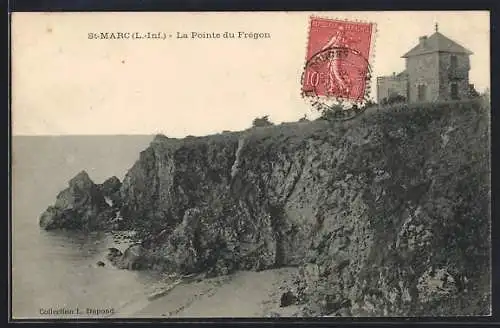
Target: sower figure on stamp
337, 77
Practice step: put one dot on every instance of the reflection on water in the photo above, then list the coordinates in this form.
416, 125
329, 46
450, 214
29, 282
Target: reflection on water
81, 245
54, 269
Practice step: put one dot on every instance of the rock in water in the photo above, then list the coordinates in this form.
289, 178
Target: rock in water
114, 255
132, 258
81, 206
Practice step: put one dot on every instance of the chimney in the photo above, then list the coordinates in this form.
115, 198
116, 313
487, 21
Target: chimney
423, 41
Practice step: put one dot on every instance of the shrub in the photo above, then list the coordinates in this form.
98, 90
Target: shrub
331, 113
370, 103
262, 121
304, 118
472, 91
394, 99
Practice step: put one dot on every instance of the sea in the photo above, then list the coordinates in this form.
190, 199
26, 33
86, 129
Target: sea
54, 274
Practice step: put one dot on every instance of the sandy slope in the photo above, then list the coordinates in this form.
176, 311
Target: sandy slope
244, 294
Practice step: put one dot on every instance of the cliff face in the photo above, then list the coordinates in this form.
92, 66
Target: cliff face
173, 175
387, 214
390, 212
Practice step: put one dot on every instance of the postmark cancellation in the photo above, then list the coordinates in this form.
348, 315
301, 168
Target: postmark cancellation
337, 67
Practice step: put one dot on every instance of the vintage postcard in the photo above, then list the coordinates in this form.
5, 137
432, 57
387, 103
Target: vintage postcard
250, 164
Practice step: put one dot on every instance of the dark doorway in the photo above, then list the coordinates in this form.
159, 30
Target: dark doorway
421, 92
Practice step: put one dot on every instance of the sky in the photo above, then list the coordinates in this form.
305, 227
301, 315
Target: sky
64, 83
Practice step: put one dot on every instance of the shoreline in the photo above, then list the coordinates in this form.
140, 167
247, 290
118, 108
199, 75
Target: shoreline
241, 294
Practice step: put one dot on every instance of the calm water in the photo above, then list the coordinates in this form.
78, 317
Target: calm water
58, 269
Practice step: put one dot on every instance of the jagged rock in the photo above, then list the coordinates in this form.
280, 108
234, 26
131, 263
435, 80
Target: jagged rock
114, 255
287, 299
110, 189
79, 207
132, 258
110, 186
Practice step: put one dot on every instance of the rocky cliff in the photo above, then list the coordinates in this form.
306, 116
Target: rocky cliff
388, 214
84, 205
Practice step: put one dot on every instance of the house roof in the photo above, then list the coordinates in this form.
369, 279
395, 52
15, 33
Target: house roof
403, 73
437, 42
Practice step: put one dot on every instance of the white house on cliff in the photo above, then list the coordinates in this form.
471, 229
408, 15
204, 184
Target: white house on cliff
437, 68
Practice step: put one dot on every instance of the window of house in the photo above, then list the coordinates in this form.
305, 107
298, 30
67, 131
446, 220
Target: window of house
454, 91
453, 62
421, 92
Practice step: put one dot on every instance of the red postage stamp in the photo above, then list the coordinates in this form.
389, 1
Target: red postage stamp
337, 62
